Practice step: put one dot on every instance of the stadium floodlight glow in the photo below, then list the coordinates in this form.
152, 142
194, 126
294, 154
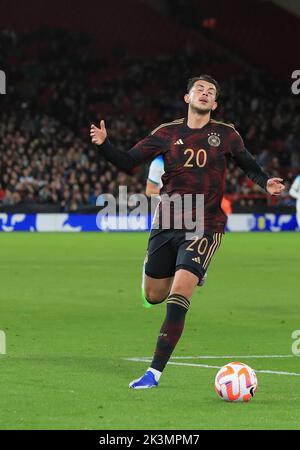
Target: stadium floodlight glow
2, 83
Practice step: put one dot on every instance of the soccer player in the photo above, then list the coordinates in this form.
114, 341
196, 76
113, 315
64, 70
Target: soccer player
156, 171
153, 187
295, 193
195, 150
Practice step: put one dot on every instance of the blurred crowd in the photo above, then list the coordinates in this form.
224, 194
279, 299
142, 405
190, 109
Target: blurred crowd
57, 85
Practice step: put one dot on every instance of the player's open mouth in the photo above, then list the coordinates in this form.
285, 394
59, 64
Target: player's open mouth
203, 101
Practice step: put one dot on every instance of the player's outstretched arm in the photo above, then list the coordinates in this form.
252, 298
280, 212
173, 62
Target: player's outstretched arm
247, 163
143, 151
123, 160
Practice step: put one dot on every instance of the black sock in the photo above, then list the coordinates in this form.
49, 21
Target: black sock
170, 332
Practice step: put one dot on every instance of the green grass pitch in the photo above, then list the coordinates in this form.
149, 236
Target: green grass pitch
70, 307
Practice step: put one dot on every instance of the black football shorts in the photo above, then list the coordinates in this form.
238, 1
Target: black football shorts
169, 251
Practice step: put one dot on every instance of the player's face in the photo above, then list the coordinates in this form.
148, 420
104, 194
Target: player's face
202, 97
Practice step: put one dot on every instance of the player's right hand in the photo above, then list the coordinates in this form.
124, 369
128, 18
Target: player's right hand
98, 135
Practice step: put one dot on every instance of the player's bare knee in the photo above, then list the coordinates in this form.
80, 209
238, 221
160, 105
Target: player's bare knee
155, 296
184, 283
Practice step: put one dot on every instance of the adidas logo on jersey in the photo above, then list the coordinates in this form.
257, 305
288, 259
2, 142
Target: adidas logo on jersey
197, 260
179, 142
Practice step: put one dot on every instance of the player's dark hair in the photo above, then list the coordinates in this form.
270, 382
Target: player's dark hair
207, 78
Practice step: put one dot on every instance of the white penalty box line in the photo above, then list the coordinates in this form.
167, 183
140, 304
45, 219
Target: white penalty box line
230, 358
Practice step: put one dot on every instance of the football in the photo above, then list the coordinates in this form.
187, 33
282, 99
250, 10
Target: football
236, 382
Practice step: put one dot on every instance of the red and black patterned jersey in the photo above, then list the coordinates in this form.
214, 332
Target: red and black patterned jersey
195, 162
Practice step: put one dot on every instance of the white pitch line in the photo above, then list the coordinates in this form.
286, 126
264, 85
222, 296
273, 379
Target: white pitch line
279, 373
205, 366
231, 357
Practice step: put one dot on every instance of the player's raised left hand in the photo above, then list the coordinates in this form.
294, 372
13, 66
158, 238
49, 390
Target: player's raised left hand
98, 135
275, 186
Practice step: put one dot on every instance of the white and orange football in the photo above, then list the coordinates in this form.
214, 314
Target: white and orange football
236, 382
